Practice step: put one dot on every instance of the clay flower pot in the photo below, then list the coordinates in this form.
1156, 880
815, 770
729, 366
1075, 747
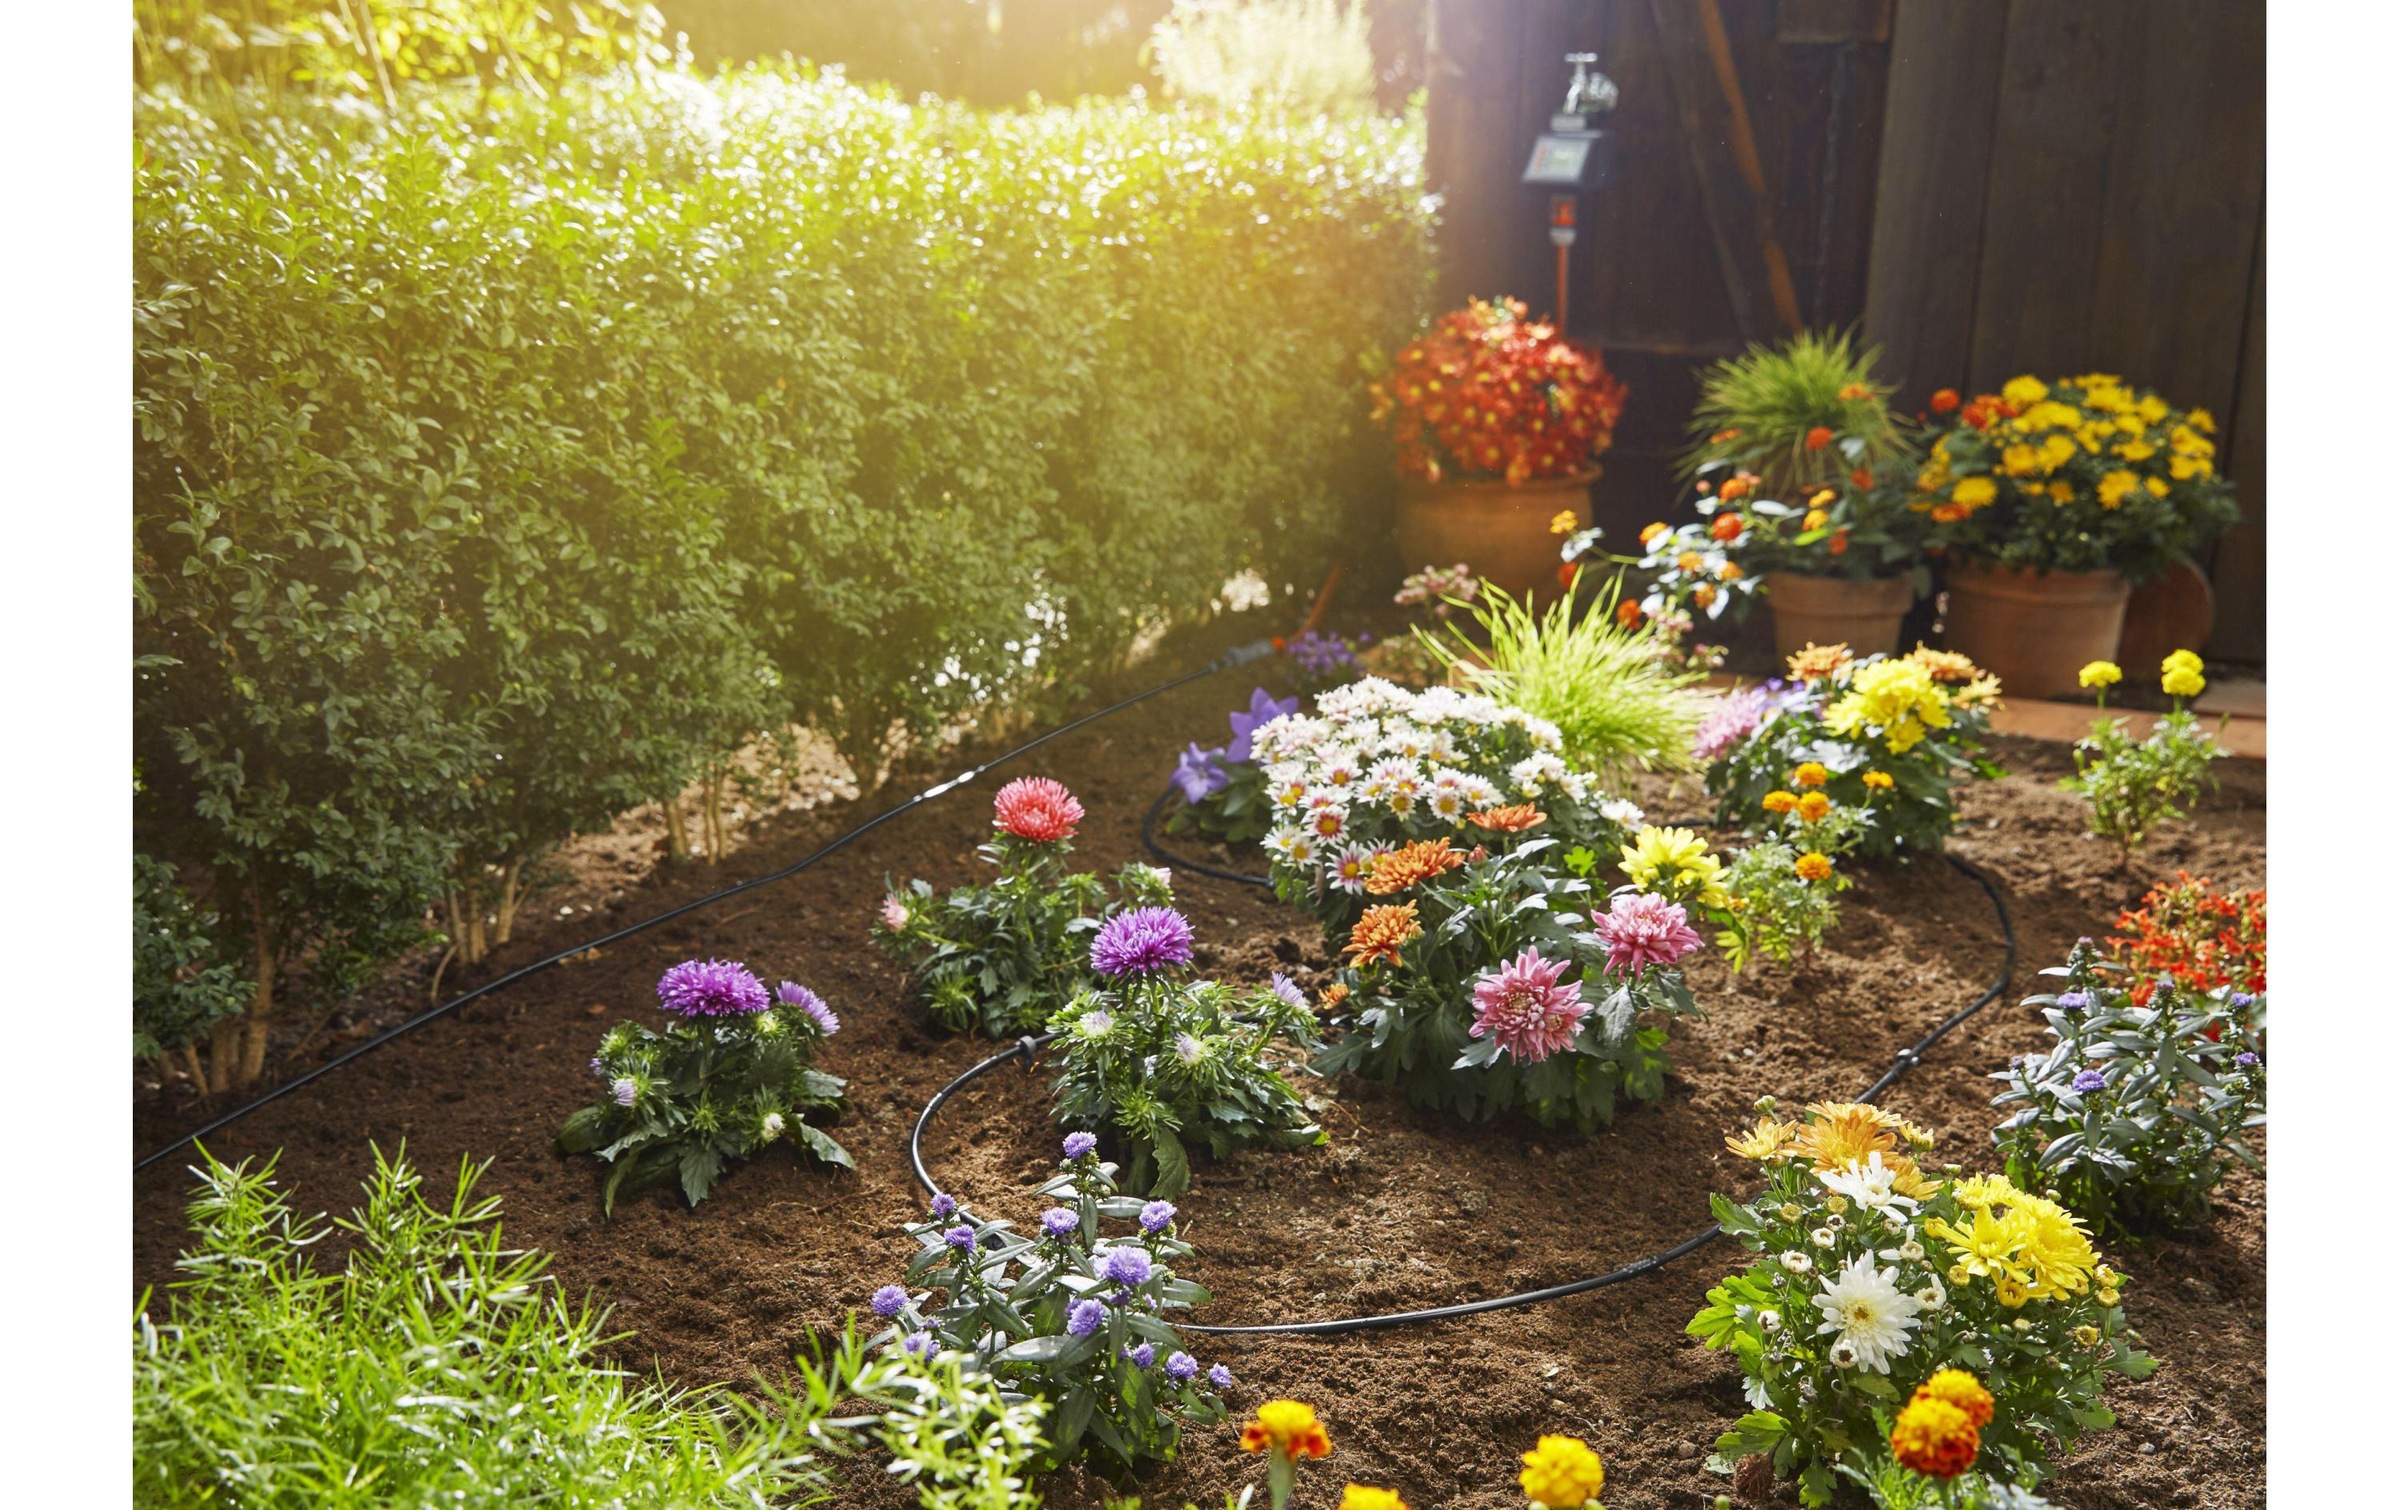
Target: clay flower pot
2036, 630
1836, 610
1500, 529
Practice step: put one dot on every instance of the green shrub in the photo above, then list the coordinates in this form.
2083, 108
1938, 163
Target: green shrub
181, 989
502, 462
433, 1366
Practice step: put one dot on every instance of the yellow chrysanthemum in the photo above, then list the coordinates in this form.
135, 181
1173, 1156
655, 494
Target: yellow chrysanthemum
1987, 1247
1770, 1139
2018, 458
1895, 698
1561, 1473
2100, 674
1675, 862
1984, 689
2137, 450
2057, 451
2179, 675
1945, 665
1974, 492
2057, 1251
2024, 392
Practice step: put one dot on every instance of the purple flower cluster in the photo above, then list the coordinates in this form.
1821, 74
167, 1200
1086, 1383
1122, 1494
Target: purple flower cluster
2074, 1001
1060, 1222
918, 1345
889, 1301
945, 1206
961, 1237
1182, 1367
1080, 1143
792, 994
1202, 773
1142, 941
1322, 656
711, 988
1085, 1318
1127, 1266
1156, 1215
1220, 1376
2090, 1080
1142, 1354
2245, 1059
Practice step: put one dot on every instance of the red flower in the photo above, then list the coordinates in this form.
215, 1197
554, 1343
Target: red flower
1725, 527
1818, 438
1036, 809
1944, 400
1862, 479
1629, 614
1838, 542
1736, 486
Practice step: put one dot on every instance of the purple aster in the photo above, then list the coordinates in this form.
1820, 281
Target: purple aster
792, 995
2246, 1059
1142, 942
1200, 773
944, 1207
1127, 1266
2090, 1080
624, 1090
711, 988
1220, 1376
598, 1068
1085, 1318
2241, 998
1182, 1367
2074, 1001
1263, 709
961, 1237
1143, 1355
1080, 1143
1060, 1221
1291, 995
918, 1345
1321, 655
1156, 1215
889, 1301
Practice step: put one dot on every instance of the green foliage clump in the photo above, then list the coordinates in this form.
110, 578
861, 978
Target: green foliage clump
181, 989
1166, 1062
2138, 1109
434, 1366
961, 1438
1618, 700
1067, 1316
504, 459
679, 1104
1295, 57
1782, 912
2134, 785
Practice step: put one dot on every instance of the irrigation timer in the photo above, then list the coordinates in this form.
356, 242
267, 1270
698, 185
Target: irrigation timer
1573, 157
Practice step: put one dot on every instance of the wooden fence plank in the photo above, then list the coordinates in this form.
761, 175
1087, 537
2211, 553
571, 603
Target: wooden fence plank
2241, 561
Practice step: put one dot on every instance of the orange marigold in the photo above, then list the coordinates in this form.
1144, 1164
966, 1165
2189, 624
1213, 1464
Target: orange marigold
1736, 486
1880, 781
1289, 1428
1512, 819
1812, 867
1419, 860
1961, 1389
1944, 400
1629, 614
1334, 995
1380, 931
1945, 665
1935, 1438
1809, 773
1818, 437
1814, 805
1862, 479
1779, 802
1725, 526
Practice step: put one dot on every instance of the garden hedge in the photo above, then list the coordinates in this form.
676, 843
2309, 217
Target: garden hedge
500, 463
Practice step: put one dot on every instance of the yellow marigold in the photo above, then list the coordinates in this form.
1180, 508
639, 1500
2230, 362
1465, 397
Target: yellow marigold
1944, 665
2115, 485
1564, 522
1935, 1438
1813, 662
1729, 572
1880, 781
1961, 1389
1380, 932
1896, 698
1362, 1497
2018, 459
1814, 519
1974, 492
2201, 419
2050, 416
2100, 674
1287, 1427
1814, 805
1419, 860
1812, 867
1779, 802
1561, 1473
1822, 498
1651, 532
2025, 392
2057, 450
2179, 675
2136, 450
2061, 491
1515, 818
2156, 487
1770, 1139
1809, 773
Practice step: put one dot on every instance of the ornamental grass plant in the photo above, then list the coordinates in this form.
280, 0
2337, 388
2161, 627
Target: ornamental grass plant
433, 1364
1797, 415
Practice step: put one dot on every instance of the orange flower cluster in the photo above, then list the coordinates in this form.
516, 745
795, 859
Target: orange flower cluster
2202, 937
1419, 860
1380, 932
1986, 407
1512, 819
1287, 1427
1489, 394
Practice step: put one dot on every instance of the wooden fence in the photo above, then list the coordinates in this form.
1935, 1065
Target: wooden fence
1984, 187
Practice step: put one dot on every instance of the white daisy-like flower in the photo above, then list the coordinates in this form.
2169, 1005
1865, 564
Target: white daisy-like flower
1823, 1236
1865, 1308
1534, 771
1933, 1297
1327, 822
1797, 1262
1624, 814
1576, 784
1406, 740
1837, 1222
1350, 867
1447, 803
1395, 775
1401, 800
1482, 792
1295, 845
1340, 767
1770, 1321
1869, 1184
1441, 745
1894, 1221
1912, 1250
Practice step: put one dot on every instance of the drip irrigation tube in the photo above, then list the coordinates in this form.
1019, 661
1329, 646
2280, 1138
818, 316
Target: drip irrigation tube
1027, 1049
1240, 655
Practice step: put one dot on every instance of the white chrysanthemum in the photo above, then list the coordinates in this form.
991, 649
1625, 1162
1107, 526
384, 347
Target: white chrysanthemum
1407, 739
1350, 867
1483, 792
1447, 803
1869, 1184
1395, 775
1933, 1297
1295, 845
1340, 767
1796, 1261
1441, 745
1865, 1308
1328, 823
1531, 773
1621, 812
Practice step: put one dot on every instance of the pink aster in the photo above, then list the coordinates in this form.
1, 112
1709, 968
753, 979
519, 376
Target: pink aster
1037, 809
1641, 930
1523, 1005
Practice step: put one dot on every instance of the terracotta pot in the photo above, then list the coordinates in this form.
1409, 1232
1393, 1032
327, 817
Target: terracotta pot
1501, 530
2036, 630
1835, 610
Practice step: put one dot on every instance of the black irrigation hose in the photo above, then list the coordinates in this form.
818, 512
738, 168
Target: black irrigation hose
1240, 655
1902, 1062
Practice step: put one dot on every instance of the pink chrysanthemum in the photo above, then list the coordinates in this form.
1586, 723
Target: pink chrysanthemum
1641, 930
1523, 1005
1037, 809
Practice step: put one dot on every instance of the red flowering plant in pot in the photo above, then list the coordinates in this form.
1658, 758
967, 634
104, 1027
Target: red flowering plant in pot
1499, 421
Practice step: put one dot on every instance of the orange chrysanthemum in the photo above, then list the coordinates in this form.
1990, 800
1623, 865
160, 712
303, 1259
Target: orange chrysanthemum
1333, 995
1380, 932
1945, 665
1512, 819
1935, 1438
1287, 1427
1814, 662
1629, 614
1419, 860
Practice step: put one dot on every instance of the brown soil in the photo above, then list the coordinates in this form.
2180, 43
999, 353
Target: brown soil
1402, 1209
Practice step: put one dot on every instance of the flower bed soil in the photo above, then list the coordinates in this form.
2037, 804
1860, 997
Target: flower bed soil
1401, 1209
